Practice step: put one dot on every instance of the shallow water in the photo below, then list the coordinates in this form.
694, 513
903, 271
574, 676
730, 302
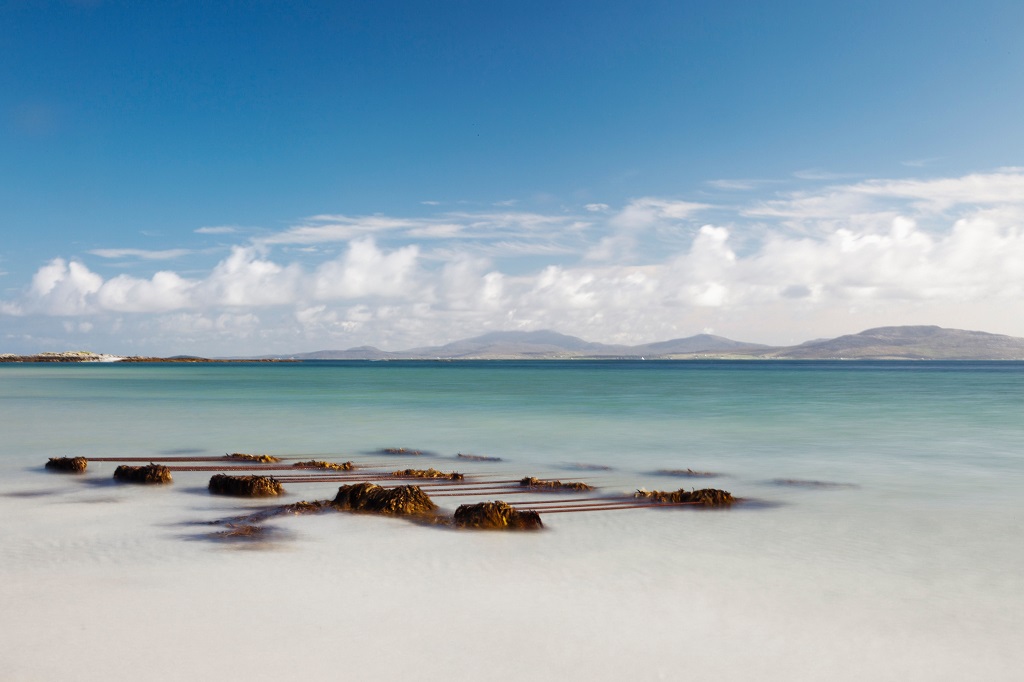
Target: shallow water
884, 541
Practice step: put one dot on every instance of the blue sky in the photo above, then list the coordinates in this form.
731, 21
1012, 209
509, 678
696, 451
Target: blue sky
223, 178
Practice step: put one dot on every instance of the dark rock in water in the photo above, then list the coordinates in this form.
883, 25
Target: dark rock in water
689, 473
428, 473
583, 466
801, 483
400, 451
533, 482
260, 459
370, 497
496, 515
151, 473
74, 465
478, 458
319, 464
304, 507
245, 486
708, 497
245, 531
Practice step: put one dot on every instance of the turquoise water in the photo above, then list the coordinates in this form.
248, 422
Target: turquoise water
906, 565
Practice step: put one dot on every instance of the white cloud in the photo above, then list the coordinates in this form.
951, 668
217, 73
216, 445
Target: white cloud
887, 198
366, 271
144, 254
165, 291
62, 288
320, 229
630, 226
736, 184
645, 212
469, 283
245, 278
218, 229
945, 251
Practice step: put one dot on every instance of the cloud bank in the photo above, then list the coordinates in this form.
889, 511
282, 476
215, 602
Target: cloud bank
780, 269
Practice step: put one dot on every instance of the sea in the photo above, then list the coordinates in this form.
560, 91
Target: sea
880, 532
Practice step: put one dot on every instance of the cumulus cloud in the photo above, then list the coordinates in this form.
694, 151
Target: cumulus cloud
246, 278
631, 225
366, 271
62, 288
164, 291
866, 253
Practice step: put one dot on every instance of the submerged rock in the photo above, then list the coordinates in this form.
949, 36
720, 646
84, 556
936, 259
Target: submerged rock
803, 483
534, 482
708, 497
478, 458
261, 459
370, 497
245, 486
151, 473
320, 464
305, 507
583, 466
428, 473
74, 465
496, 515
241, 531
690, 473
399, 451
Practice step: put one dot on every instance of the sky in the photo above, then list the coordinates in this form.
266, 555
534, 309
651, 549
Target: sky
244, 178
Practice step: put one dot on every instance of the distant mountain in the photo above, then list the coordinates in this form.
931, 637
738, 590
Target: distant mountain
357, 353
882, 343
909, 343
701, 343
543, 344
525, 344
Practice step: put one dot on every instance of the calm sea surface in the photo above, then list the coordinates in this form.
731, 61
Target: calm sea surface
885, 536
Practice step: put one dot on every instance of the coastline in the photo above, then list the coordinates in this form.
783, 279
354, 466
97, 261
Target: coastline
89, 357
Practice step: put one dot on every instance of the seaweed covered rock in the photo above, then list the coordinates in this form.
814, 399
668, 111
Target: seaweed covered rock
304, 507
151, 473
370, 497
428, 473
73, 465
320, 464
496, 515
234, 531
400, 451
260, 459
534, 482
709, 497
245, 486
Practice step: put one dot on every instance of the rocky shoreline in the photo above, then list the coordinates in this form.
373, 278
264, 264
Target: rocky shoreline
88, 356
